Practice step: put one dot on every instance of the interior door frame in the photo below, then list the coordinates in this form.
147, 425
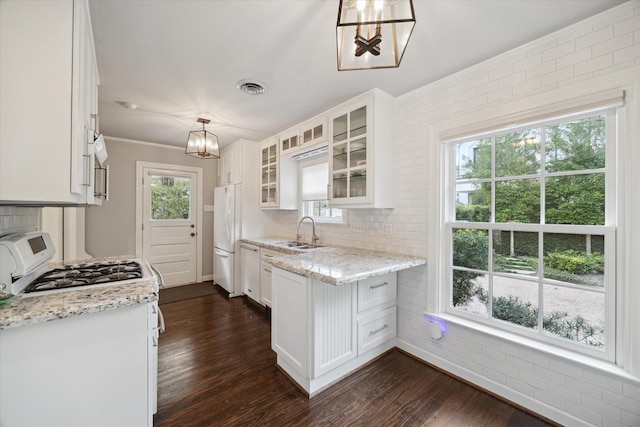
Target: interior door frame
140, 167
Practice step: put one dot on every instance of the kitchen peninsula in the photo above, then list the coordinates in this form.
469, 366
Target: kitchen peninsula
334, 310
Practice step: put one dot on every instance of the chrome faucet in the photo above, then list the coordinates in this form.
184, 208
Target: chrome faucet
313, 223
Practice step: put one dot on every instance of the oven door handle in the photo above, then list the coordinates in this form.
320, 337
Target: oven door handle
158, 275
161, 327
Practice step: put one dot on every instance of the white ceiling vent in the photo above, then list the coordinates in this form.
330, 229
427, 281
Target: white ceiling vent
252, 87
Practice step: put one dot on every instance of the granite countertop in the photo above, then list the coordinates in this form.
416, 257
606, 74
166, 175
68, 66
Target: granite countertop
26, 310
336, 265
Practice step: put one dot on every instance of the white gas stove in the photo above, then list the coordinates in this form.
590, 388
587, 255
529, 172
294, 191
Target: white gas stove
24, 269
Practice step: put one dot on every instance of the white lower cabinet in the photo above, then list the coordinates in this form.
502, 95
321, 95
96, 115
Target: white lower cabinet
88, 370
265, 276
321, 332
250, 262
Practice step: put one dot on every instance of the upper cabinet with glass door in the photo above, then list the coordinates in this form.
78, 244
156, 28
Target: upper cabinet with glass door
274, 192
361, 152
269, 174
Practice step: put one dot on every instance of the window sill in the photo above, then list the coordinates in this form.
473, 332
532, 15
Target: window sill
586, 361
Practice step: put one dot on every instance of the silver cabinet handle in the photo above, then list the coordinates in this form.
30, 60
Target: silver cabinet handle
267, 270
161, 328
378, 285
378, 330
248, 247
268, 256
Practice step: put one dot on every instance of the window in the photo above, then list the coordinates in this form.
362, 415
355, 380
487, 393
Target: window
530, 226
170, 197
314, 179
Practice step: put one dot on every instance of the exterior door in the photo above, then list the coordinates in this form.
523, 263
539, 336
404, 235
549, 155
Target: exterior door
169, 227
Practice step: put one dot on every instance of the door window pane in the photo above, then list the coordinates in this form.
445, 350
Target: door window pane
170, 198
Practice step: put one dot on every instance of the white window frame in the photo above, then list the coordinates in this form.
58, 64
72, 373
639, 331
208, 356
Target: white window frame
608, 230
342, 220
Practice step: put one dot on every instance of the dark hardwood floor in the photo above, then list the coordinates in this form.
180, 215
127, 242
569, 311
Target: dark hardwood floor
216, 368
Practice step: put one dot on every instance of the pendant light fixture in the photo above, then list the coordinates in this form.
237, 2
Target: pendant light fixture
373, 33
203, 144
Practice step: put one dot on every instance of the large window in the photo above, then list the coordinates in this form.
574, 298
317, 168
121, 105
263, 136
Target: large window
530, 226
314, 181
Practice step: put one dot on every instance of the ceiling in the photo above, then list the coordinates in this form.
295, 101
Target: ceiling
178, 60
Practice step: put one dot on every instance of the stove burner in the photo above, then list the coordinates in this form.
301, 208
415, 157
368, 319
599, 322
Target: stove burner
70, 276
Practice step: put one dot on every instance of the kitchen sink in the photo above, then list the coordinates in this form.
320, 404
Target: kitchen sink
297, 245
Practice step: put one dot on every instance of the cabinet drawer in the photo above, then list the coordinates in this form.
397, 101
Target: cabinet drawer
376, 291
376, 328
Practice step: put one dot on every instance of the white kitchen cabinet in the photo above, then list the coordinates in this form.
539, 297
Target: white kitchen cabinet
313, 133
48, 107
230, 165
361, 160
278, 178
304, 137
250, 276
88, 370
290, 141
265, 276
322, 332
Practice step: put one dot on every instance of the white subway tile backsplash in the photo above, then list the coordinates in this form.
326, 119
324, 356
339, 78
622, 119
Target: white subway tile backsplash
630, 419
594, 37
627, 26
581, 55
596, 64
612, 45
602, 380
558, 51
583, 413
534, 380
550, 398
549, 375
623, 402
519, 386
606, 410
19, 219
581, 387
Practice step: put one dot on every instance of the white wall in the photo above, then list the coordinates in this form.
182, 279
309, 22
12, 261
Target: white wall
110, 228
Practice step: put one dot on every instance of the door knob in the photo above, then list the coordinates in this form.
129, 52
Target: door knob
193, 234
193, 226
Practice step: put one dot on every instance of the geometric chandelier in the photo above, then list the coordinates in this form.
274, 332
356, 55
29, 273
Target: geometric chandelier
203, 144
373, 33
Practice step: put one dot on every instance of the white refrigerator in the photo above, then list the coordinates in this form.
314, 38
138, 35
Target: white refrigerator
227, 214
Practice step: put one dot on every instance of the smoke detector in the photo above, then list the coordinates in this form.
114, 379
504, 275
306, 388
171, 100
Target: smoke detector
252, 87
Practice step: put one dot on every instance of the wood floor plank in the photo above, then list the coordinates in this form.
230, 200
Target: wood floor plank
216, 368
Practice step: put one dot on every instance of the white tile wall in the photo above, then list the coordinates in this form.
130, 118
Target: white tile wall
18, 219
570, 392
567, 391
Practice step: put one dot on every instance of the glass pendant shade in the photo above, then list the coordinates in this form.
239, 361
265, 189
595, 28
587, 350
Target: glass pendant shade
373, 33
203, 144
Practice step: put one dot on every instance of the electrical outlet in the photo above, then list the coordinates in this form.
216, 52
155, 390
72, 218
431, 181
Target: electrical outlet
358, 227
387, 229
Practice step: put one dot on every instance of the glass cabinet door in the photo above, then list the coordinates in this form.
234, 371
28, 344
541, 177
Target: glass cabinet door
349, 155
269, 175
